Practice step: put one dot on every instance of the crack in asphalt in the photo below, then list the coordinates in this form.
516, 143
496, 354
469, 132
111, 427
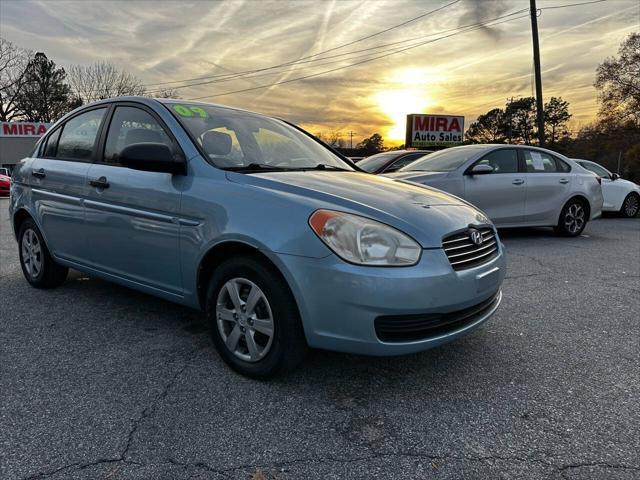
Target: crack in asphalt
379, 454
146, 413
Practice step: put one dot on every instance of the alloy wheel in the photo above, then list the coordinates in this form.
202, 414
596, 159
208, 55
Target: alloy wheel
574, 218
244, 319
31, 253
631, 205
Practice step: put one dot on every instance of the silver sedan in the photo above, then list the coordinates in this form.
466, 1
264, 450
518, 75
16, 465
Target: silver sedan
515, 185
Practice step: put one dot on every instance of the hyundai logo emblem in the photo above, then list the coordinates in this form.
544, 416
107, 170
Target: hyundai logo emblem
476, 237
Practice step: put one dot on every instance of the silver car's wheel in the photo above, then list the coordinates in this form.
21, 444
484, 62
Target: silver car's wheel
244, 319
574, 218
31, 253
631, 205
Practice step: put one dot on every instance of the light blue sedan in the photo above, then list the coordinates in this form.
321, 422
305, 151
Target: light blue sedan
280, 240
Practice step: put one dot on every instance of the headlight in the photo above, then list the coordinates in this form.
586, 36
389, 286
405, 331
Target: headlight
364, 241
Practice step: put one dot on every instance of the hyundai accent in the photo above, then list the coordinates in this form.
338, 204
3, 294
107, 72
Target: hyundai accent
280, 240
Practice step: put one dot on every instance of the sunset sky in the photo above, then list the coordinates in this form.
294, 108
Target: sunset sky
472, 71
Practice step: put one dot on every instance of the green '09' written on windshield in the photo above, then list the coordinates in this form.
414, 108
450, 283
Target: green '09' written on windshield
190, 111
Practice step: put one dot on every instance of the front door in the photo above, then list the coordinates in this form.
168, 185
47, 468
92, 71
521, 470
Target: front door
132, 215
59, 184
500, 194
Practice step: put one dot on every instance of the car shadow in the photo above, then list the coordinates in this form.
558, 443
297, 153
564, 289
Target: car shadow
320, 368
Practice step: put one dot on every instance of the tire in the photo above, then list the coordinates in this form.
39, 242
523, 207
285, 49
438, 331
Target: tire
573, 218
233, 328
630, 206
37, 265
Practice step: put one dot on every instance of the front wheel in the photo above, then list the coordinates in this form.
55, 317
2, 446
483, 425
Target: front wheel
630, 206
573, 219
37, 265
253, 318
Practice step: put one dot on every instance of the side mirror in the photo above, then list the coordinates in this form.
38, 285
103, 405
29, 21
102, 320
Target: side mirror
481, 169
151, 157
614, 177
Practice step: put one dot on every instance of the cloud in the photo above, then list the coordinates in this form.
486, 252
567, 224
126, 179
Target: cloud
467, 74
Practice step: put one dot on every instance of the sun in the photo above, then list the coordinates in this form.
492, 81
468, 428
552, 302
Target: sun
406, 93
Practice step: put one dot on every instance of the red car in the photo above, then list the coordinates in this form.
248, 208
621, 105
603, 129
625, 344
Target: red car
5, 185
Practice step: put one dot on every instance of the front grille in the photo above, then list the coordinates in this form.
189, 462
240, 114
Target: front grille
411, 328
463, 253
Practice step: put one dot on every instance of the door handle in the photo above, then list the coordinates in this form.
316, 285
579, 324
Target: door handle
564, 181
518, 181
38, 173
99, 183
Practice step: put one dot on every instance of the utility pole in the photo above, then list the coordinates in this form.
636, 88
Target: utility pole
351, 139
536, 61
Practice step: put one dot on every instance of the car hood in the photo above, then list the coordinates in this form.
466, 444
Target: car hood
424, 213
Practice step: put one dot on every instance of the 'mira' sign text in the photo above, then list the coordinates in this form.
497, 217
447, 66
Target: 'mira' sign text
429, 130
23, 129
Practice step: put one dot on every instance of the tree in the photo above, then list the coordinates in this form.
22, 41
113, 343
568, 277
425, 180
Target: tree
373, 144
556, 116
13, 68
45, 96
102, 80
618, 81
520, 119
333, 138
488, 128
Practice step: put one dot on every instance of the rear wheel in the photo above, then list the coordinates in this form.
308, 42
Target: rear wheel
630, 206
573, 218
37, 265
253, 318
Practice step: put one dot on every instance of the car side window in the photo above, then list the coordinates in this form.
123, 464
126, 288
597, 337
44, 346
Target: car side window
504, 160
131, 125
563, 166
50, 147
539, 162
597, 169
78, 137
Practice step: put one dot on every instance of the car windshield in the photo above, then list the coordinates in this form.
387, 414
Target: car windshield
444, 160
374, 162
237, 140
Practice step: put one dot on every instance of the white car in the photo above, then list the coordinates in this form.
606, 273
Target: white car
621, 196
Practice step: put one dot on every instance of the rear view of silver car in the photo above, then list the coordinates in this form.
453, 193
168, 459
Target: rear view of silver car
515, 185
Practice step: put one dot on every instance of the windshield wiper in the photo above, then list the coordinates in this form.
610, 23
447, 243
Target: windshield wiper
324, 166
256, 167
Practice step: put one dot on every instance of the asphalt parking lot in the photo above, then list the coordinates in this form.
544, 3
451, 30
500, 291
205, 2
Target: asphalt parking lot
100, 382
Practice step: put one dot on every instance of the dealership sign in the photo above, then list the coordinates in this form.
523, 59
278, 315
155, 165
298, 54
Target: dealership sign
23, 129
429, 130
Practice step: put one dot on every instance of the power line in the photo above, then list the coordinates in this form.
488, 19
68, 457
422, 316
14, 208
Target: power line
572, 5
249, 75
400, 50
256, 73
411, 20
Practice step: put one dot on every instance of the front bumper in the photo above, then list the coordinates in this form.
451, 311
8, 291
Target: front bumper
340, 302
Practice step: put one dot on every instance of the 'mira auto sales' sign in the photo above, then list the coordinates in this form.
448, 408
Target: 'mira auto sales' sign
429, 130
23, 129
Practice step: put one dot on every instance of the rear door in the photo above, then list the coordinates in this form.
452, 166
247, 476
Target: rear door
132, 215
58, 180
548, 185
500, 194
